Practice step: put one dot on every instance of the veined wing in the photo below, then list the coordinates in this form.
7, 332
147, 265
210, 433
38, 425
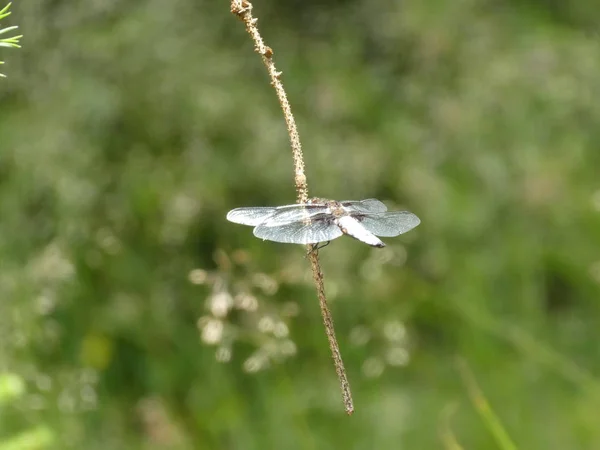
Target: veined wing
389, 224
368, 206
300, 232
250, 216
294, 213
256, 215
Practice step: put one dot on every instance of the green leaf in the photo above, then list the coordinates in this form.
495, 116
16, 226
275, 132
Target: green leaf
12, 42
5, 11
6, 30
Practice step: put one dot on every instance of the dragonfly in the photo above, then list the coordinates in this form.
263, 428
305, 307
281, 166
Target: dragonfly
322, 220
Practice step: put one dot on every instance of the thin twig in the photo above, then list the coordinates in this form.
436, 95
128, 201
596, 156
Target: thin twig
243, 9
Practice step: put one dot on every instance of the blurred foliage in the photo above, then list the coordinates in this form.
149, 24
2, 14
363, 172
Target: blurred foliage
12, 389
137, 317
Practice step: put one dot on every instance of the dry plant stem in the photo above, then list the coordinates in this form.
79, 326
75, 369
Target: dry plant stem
243, 9
329, 329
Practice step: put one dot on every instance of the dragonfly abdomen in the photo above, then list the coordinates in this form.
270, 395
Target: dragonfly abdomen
352, 227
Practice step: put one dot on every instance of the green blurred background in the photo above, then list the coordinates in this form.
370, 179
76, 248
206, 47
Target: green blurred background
133, 315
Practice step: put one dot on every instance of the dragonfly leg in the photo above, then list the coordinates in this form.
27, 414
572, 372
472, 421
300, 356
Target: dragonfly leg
325, 245
317, 247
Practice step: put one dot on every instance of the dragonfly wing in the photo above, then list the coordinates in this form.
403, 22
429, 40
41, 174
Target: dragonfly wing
295, 213
250, 216
370, 205
389, 224
281, 214
300, 232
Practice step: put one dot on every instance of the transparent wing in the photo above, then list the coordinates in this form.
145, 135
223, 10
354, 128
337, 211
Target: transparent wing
300, 232
250, 216
389, 224
370, 205
256, 215
295, 213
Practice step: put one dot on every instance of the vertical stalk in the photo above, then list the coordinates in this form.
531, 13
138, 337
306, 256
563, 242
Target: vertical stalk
243, 10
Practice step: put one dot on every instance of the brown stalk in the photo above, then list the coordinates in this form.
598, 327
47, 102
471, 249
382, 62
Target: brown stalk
243, 9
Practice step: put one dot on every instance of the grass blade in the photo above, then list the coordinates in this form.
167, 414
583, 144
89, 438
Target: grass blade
483, 408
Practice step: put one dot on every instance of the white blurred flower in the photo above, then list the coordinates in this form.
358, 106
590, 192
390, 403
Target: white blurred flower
220, 303
268, 284
288, 348
223, 354
198, 276
394, 331
280, 330
246, 302
266, 324
397, 356
373, 367
212, 331
360, 335
255, 363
